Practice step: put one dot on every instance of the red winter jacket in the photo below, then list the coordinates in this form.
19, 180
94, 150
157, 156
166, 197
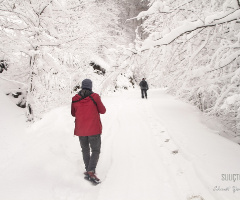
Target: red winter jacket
87, 115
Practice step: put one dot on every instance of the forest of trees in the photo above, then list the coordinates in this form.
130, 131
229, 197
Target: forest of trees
190, 47
193, 49
49, 46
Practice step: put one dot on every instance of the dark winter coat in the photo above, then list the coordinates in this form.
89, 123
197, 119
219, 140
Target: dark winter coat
87, 114
143, 84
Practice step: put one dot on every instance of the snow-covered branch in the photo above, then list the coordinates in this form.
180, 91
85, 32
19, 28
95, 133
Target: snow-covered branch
187, 27
13, 81
41, 12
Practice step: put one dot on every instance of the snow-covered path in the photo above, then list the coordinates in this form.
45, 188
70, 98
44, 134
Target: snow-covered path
151, 149
136, 167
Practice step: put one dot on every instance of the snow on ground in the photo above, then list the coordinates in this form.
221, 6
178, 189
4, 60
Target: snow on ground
12, 128
155, 149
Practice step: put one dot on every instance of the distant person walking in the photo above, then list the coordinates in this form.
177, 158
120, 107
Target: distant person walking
144, 87
86, 108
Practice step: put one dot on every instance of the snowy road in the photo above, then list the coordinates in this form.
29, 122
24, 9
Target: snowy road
155, 149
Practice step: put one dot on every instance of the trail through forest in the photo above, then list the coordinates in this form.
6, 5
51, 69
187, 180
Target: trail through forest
155, 149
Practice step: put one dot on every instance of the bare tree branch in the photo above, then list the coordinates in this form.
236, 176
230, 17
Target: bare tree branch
45, 7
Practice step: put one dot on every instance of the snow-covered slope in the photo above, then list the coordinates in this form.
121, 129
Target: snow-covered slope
12, 129
151, 149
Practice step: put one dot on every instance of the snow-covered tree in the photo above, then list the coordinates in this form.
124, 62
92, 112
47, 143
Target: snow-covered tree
193, 49
49, 45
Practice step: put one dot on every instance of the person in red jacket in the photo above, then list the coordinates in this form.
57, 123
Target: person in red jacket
86, 108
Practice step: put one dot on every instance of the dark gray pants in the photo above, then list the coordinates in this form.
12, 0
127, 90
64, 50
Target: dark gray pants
93, 142
144, 92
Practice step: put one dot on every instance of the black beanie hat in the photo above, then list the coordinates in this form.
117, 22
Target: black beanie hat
87, 84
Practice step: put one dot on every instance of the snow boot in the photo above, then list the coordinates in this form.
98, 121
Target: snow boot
93, 178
